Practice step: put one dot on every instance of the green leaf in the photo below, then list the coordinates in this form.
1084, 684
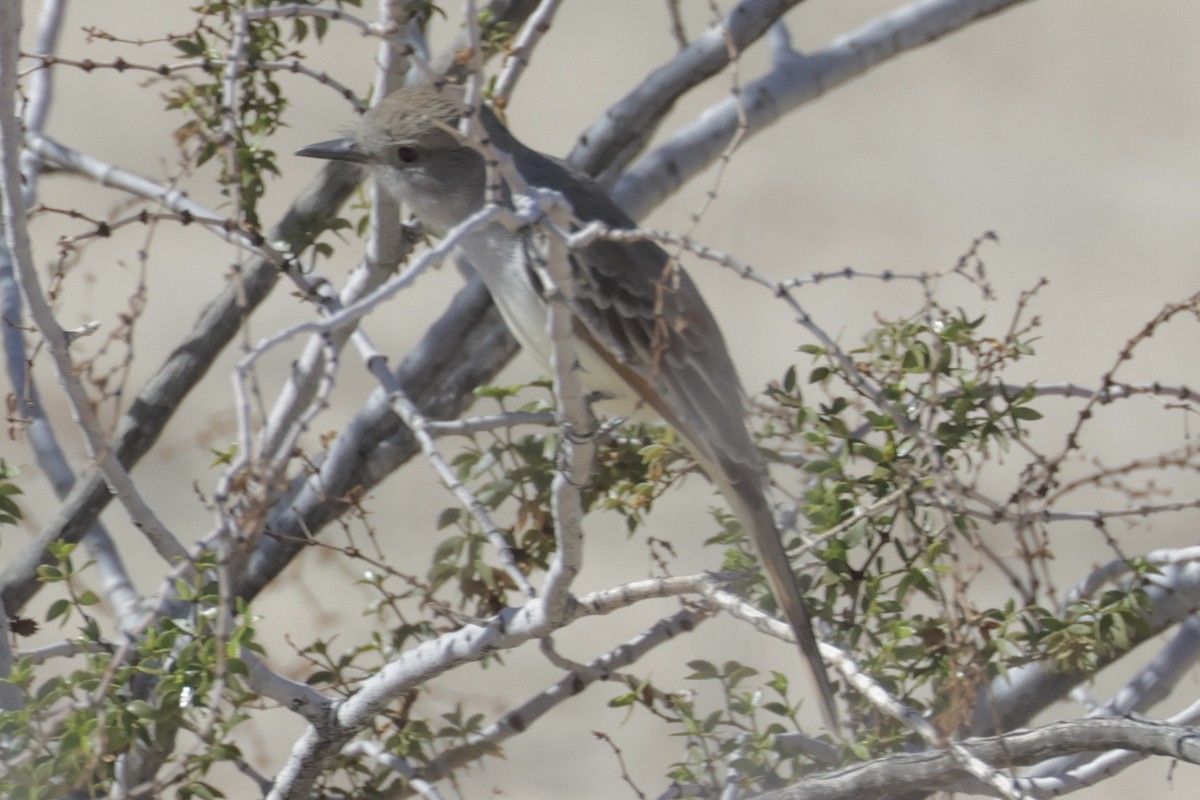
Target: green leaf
58, 609
48, 573
188, 47
224, 458
448, 517
322, 676
141, 709
789, 380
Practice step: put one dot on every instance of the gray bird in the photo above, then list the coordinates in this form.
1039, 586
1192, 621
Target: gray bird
644, 333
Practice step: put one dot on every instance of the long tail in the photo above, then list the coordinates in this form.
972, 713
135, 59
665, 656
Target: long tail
743, 491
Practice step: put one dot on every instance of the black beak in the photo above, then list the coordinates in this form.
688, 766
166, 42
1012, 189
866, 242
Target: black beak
335, 150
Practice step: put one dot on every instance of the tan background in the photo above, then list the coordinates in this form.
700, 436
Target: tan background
1067, 127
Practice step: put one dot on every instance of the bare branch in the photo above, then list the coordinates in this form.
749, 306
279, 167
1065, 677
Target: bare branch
794, 80
896, 776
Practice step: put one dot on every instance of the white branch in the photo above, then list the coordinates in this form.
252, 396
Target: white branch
57, 343
519, 54
417, 423
522, 717
1151, 684
794, 79
1173, 596
292, 695
901, 774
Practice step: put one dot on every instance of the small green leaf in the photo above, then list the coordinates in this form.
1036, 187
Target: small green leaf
58, 608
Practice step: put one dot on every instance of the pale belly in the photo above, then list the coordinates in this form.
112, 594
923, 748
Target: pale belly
500, 259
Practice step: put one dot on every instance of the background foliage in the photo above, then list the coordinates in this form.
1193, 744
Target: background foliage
928, 474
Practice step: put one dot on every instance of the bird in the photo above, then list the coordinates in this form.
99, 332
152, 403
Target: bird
644, 335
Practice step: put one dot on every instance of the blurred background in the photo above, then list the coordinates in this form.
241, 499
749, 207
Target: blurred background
1068, 128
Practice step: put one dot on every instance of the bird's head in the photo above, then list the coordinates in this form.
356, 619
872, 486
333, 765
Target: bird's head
410, 142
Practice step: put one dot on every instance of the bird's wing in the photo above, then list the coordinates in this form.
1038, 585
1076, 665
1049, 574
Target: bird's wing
654, 329
646, 315
637, 309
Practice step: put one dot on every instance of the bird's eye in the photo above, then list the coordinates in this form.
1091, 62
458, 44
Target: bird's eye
406, 154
